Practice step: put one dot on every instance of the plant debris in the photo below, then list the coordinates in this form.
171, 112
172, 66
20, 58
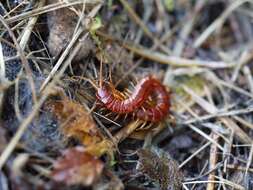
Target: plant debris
77, 167
163, 170
55, 55
75, 121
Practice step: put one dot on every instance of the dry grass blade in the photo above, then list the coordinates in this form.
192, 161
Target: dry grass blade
249, 78
225, 182
209, 138
62, 57
194, 154
176, 61
22, 57
26, 33
167, 59
201, 102
233, 113
212, 162
227, 121
47, 91
244, 137
49, 8
127, 130
50, 84
2, 74
75, 37
218, 22
249, 160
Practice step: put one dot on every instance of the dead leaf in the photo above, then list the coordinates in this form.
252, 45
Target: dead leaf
77, 167
75, 121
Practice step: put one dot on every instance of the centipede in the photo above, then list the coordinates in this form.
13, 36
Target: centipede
160, 109
136, 102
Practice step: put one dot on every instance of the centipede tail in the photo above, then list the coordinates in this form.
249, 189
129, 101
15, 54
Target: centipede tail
158, 111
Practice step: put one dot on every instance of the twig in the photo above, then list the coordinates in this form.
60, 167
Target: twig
249, 161
219, 114
212, 161
22, 57
176, 61
29, 27
249, 78
234, 167
51, 7
15, 139
68, 48
136, 18
166, 59
2, 75
194, 154
226, 182
218, 22
62, 57
208, 137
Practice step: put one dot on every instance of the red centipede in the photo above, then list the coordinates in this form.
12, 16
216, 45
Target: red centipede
158, 111
134, 103
116, 104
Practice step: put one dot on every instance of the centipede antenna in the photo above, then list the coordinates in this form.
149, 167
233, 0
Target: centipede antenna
107, 119
88, 80
125, 116
110, 74
101, 73
143, 125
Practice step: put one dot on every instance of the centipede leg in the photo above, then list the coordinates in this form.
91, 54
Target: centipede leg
132, 84
102, 109
127, 92
148, 126
108, 114
143, 125
110, 76
125, 116
117, 117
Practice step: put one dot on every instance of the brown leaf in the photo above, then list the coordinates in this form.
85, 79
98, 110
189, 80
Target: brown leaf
76, 121
77, 167
163, 170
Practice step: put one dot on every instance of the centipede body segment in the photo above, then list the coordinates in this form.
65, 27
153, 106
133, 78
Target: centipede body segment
135, 102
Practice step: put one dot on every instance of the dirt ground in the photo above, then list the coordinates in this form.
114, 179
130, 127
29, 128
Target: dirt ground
126, 94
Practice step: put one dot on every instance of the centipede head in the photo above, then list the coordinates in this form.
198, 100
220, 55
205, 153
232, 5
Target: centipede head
103, 93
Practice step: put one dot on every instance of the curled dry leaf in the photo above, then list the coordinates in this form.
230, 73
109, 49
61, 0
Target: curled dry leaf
163, 170
75, 121
77, 167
